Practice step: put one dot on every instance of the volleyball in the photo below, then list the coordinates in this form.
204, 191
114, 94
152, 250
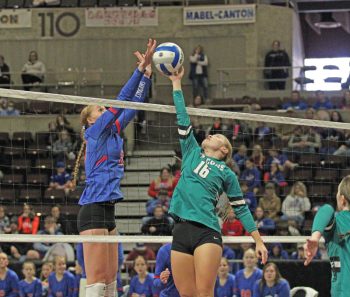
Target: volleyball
168, 58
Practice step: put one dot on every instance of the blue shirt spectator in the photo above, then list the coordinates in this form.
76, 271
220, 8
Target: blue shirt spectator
266, 226
251, 175
277, 252
241, 156
248, 196
295, 102
322, 102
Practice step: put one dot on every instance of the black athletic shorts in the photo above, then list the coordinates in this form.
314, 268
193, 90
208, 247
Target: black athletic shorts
98, 215
188, 235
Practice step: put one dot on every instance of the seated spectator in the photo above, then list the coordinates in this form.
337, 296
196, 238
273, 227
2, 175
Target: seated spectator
248, 196
233, 166
322, 102
344, 149
63, 147
299, 253
272, 283
296, 204
5, 75
232, 226
62, 180
270, 202
139, 250
163, 200
304, 140
46, 270
249, 275
175, 168
142, 283
225, 281
239, 132
279, 158
9, 282
61, 281
33, 71
346, 100
8, 109
50, 228
228, 253
164, 181
241, 156
251, 175
159, 224
4, 221
243, 247
295, 103
28, 222
61, 219
263, 132
62, 124
335, 137
266, 226
197, 102
198, 131
217, 128
275, 176
30, 285
258, 156
276, 252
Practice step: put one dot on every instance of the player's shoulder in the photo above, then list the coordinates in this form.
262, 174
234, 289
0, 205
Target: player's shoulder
11, 273
342, 221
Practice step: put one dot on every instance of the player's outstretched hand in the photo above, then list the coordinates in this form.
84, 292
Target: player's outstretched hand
310, 250
164, 276
177, 76
144, 60
261, 251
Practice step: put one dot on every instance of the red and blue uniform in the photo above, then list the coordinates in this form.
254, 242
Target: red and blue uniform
33, 289
62, 288
227, 289
104, 164
163, 262
144, 289
281, 289
9, 286
244, 286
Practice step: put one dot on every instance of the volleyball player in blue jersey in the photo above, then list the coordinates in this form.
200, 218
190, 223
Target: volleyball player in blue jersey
8, 279
104, 170
30, 286
225, 281
163, 280
61, 281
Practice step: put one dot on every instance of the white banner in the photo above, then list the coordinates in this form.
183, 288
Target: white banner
214, 15
121, 17
15, 18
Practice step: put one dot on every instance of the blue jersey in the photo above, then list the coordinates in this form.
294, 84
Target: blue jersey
77, 279
104, 163
61, 178
244, 286
281, 289
163, 262
9, 286
227, 289
144, 289
33, 289
62, 288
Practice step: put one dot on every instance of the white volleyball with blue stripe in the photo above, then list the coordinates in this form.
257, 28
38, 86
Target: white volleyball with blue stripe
168, 58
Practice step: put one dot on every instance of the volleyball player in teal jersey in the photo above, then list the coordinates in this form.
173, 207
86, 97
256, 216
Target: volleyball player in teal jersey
197, 243
335, 227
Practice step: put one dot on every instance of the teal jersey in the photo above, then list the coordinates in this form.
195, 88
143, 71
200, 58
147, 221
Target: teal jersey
203, 179
337, 240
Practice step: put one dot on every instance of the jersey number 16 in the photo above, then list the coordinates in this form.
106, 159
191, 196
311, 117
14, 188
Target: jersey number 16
202, 169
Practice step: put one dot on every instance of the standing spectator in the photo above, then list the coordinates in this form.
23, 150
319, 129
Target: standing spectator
62, 180
251, 175
61, 219
142, 283
5, 76
61, 281
248, 276
270, 202
322, 102
249, 196
30, 285
28, 222
232, 226
275, 176
9, 110
241, 156
277, 252
8, 279
295, 103
225, 281
266, 226
4, 221
164, 181
50, 228
33, 71
296, 204
272, 283
199, 73
46, 270
217, 127
159, 224
277, 57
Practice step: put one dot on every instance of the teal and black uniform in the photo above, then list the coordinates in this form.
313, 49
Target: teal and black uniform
203, 180
335, 228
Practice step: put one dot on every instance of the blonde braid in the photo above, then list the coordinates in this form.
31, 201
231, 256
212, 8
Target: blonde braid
77, 162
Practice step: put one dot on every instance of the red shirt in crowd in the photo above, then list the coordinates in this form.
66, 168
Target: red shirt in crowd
27, 225
232, 228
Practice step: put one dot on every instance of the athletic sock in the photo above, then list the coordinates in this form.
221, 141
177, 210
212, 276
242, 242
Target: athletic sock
111, 289
96, 290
